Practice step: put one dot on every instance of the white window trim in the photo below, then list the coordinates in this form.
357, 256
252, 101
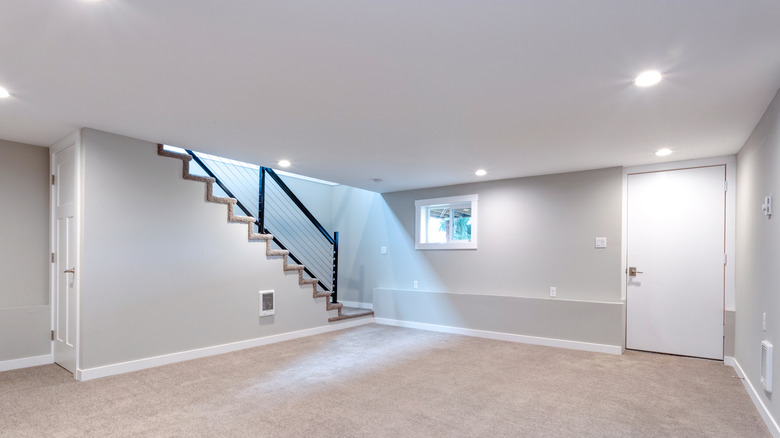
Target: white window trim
473, 199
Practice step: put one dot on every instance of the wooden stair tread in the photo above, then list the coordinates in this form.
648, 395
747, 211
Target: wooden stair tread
351, 312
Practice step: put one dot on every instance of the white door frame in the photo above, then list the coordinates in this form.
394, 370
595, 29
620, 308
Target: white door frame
731, 216
74, 139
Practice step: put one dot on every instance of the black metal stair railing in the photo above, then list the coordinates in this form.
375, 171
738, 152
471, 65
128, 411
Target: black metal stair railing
263, 195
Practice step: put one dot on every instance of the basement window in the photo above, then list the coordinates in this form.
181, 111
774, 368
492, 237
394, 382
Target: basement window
446, 223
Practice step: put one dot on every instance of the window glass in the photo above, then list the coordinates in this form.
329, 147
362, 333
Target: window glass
446, 223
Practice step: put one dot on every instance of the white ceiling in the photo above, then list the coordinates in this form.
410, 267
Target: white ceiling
417, 93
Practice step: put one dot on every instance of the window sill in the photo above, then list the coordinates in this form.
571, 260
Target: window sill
446, 246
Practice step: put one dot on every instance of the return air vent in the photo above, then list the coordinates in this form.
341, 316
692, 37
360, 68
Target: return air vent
267, 303
766, 365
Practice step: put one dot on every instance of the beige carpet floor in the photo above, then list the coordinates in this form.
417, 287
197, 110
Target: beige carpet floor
380, 381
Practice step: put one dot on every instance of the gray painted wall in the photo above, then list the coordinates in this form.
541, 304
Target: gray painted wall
729, 322
758, 252
24, 224
581, 321
25, 332
534, 233
163, 271
25, 319
317, 197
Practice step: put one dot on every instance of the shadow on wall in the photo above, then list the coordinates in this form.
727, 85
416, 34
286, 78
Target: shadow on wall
366, 223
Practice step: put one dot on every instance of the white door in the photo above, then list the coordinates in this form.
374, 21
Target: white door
676, 243
65, 243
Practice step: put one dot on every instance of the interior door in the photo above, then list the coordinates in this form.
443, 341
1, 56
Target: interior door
676, 245
65, 242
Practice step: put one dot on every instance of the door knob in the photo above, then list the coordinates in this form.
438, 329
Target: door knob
70, 271
632, 272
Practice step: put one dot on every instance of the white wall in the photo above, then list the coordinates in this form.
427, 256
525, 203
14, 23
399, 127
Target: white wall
24, 249
758, 252
163, 271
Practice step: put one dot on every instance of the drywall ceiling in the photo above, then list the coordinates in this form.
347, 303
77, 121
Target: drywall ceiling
416, 93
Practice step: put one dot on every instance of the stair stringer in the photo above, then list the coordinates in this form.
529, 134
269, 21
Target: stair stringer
252, 236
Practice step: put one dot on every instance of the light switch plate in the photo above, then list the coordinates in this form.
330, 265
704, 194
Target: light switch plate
601, 242
383, 250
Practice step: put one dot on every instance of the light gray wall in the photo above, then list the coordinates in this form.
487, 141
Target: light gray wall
534, 233
729, 322
318, 198
24, 332
758, 250
24, 225
25, 316
581, 321
163, 271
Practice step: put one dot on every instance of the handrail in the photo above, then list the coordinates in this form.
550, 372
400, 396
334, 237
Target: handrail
219, 183
299, 204
259, 221
295, 259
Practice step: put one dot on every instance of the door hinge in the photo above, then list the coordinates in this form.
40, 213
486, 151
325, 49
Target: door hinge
725, 258
52, 257
52, 180
724, 331
725, 185
52, 335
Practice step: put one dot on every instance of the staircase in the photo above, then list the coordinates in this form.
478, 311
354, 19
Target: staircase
270, 240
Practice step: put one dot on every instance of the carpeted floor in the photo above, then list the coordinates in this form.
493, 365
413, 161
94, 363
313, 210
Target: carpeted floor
381, 381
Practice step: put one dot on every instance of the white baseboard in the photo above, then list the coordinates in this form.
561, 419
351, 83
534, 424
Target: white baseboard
151, 362
357, 304
774, 428
25, 362
523, 339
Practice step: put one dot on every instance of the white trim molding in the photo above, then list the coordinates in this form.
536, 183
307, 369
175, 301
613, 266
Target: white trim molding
770, 421
166, 359
25, 362
510, 337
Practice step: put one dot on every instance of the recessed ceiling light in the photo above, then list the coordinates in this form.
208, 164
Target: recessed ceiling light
481, 172
284, 163
4, 93
648, 78
663, 152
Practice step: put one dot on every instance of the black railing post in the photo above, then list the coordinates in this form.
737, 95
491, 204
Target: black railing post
261, 210
334, 294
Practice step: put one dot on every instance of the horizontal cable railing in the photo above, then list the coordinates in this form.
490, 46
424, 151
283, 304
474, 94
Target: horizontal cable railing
263, 195
283, 218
